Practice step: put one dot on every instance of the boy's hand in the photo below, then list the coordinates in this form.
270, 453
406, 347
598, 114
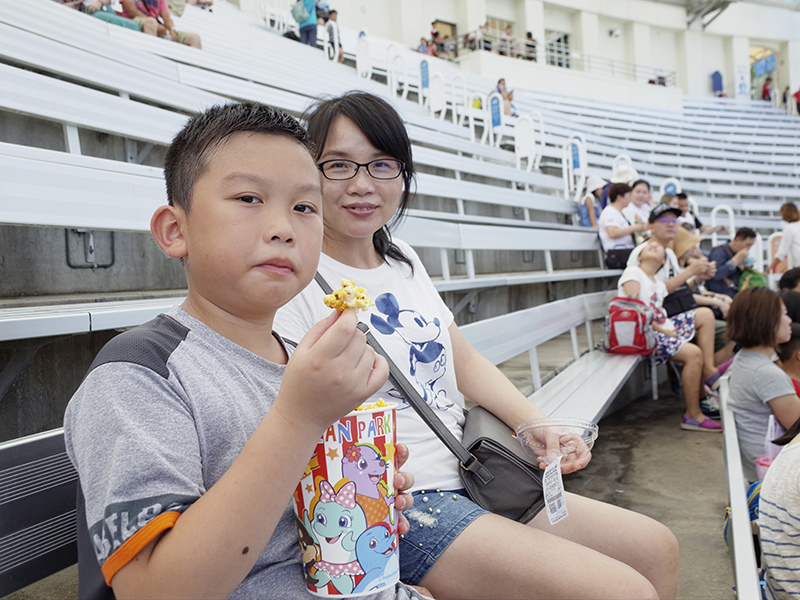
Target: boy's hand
331, 372
402, 481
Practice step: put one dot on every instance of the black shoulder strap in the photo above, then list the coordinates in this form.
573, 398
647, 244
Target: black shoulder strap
426, 413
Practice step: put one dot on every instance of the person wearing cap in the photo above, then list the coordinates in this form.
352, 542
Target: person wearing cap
730, 259
616, 233
589, 210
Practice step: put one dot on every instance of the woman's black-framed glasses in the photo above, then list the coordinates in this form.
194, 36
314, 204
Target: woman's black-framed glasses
341, 169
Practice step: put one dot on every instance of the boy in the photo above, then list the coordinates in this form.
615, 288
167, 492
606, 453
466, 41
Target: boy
789, 354
153, 18
190, 432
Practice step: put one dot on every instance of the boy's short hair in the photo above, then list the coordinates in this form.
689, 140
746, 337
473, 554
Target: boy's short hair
681, 196
745, 233
790, 279
787, 350
187, 156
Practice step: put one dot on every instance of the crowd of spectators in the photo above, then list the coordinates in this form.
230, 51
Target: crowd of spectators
153, 17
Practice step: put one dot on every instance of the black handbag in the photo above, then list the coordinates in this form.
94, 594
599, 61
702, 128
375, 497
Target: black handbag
617, 258
495, 471
679, 301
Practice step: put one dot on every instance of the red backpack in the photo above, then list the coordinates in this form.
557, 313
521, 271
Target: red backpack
628, 327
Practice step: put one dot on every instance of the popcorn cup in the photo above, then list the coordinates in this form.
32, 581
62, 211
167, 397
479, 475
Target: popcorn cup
344, 503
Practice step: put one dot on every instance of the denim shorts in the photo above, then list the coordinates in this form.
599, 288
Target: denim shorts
436, 519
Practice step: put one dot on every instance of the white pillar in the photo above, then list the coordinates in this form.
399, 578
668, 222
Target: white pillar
738, 50
690, 79
792, 58
588, 28
471, 15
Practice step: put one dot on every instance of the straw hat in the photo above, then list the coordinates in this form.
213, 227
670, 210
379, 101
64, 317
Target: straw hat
684, 241
624, 174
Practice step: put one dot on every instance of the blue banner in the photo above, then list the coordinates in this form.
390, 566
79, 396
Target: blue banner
764, 66
576, 156
423, 74
494, 106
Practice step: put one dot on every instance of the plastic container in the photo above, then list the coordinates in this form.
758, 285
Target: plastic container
575, 438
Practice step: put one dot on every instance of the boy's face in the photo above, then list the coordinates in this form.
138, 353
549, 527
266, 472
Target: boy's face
253, 235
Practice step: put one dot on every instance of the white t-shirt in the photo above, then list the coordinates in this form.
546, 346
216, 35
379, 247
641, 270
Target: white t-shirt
637, 214
614, 218
790, 245
651, 293
668, 271
410, 321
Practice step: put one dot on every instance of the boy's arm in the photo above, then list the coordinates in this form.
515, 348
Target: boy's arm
215, 543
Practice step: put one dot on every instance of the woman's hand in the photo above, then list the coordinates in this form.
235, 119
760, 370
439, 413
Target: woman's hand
402, 482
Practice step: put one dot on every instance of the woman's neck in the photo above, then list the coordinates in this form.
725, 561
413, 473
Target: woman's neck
357, 253
649, 267
767, 351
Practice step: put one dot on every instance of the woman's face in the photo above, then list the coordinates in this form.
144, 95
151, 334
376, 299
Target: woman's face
783, 332
356, 208
641, 194
653, 251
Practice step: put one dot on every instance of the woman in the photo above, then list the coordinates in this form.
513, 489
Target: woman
616, 232
779, 519
455, 548
758, 322
638, 211
789, 248
673, 333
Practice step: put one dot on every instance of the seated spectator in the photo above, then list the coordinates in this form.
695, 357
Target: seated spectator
790, 280
673, 334
687, 250
789, 248
789, 356
153, 18
689, 219
730, 258
507, 96
638, 211
779, 519
758, 322
791, 300
105, 10
616, 233
432, 48
423, 46
589, 209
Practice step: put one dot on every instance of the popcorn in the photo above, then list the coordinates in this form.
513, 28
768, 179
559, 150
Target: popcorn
381, 403
348, 296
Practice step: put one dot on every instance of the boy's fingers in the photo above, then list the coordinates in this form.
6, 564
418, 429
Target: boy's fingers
378, 374
312, 335
336, 338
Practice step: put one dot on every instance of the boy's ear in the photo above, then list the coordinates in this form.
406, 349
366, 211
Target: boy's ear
166, 225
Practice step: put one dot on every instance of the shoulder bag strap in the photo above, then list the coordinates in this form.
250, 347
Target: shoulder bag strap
426, 413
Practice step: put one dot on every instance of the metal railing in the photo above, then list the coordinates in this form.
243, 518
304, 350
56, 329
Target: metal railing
557, 54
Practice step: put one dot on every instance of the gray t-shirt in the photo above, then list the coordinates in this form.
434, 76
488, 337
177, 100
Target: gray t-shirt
755, 380
162, 414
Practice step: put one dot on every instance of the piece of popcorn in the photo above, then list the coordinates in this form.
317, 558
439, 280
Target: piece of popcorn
348, 296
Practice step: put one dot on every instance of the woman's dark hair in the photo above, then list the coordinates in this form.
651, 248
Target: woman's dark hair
616, 190
384, 129
791, 300
639, 181
790, 434
753, 317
